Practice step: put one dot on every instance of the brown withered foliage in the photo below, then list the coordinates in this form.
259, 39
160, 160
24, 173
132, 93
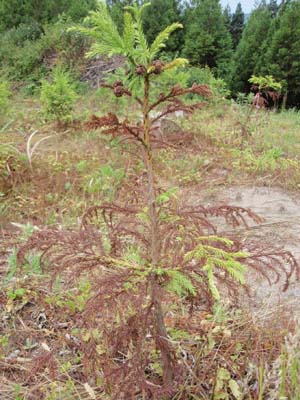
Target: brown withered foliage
265, 98
109, 120
119, 307
177, 91
129, 253
111, 124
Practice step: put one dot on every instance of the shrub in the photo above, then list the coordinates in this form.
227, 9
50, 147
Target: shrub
20, 53
205, 75
67, 46
29, 52
58, 96
24, 32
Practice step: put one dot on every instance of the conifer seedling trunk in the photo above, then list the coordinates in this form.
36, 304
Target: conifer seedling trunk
144, 66
155, 252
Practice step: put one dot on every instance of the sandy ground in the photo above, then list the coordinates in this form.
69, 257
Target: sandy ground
281, 226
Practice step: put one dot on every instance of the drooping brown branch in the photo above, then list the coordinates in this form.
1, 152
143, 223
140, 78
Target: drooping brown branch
120, 307
113, 126
109, 120
177, 91
174, 108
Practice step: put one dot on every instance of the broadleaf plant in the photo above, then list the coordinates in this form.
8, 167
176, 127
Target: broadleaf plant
267, 90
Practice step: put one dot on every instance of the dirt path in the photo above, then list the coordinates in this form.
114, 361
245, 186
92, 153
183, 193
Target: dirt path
280, 210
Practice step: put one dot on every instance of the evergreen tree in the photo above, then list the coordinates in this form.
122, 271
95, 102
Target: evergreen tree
237, 25
227, 16
282, 56
250, 47
160, 14
261, 66
207, 39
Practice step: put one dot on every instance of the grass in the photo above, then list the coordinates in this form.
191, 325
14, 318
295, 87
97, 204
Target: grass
74, 169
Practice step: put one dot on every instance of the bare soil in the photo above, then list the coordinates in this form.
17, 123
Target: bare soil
281, 228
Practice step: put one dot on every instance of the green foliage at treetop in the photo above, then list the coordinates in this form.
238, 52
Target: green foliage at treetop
160, 14
237, 25
132, 43
265, 83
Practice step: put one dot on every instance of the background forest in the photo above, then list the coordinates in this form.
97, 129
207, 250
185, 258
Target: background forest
233, 45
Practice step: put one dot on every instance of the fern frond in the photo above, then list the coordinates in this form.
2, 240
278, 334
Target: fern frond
135, 10
237, 276
161, 39
226, 255
198, 253
121, 263
100, 48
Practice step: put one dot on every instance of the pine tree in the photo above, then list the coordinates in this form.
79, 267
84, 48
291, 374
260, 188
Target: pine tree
207, 40
261, 66
237, 25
